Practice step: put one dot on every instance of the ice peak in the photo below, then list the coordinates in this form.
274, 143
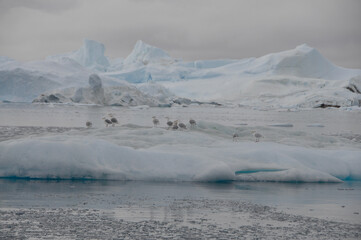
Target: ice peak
91, 44
141, 44
304, 47
145, 53
91, 54
304, 61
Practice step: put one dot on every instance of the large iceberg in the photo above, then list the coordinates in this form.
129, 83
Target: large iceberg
90, 55
146, 54
123, 94
299, 77
207, 153
20, 85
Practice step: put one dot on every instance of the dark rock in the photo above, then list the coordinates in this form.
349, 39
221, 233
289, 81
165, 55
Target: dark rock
95, 82
53, 98
353, 88
165, 105
325, 105
181, 101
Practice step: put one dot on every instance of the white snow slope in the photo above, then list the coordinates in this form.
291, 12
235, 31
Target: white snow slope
300, 77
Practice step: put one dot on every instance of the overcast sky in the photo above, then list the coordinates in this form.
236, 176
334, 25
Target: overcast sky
191, 30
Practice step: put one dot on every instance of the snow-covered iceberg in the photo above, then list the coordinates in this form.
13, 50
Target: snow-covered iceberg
20, 85
124, 94
133, 152
295, 78
145, 54
90, 55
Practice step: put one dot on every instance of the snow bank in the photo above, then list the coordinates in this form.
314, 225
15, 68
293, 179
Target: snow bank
155, 154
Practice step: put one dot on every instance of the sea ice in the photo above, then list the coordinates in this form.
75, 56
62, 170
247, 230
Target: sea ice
155, 154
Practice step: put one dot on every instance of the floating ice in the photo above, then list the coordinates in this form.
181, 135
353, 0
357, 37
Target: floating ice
156, 154
19, 85
124, 94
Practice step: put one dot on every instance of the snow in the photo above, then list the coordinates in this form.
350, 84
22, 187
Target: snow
207, 153
201, 64
5, 60
144, 54
19, 85
293, 79
124, 94
50, 141
303, 61
157, 91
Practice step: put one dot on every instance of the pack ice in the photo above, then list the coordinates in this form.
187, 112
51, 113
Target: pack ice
297, 78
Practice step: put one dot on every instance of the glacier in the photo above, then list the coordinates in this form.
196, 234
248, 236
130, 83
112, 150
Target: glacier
296, 78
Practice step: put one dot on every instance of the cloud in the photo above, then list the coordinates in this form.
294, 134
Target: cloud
199, 29
42, 5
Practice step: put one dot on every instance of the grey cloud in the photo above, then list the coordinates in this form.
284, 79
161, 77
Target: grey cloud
42, 5
199, 29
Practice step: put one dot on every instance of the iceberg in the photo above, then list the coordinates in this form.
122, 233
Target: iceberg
90, 55
123, 94
20, 85
296, 78
133, 152
145, 54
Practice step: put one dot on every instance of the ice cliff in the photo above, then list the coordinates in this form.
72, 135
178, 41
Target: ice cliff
145, 54
90, 55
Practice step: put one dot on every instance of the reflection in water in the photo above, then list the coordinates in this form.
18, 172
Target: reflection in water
179, 201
